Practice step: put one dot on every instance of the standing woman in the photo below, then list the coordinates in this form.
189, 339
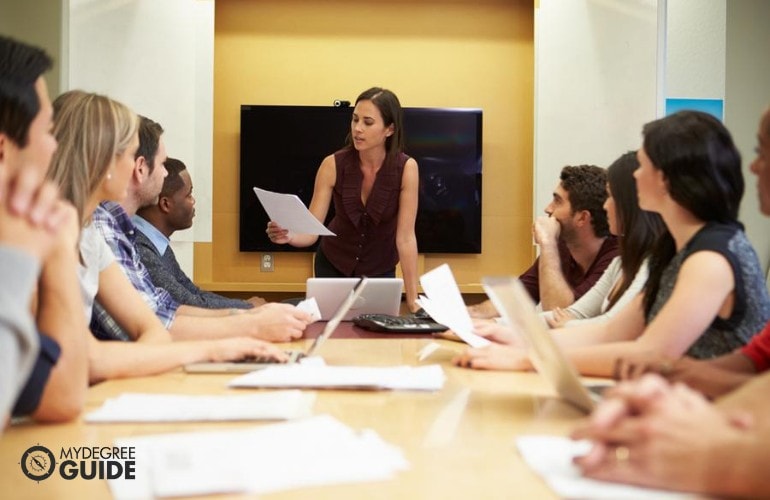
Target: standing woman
374, 187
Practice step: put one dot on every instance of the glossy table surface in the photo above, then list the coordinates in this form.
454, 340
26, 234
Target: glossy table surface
459, 441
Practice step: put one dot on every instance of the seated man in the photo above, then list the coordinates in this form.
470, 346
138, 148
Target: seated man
574, 240
44, 375
155, 224
271, 322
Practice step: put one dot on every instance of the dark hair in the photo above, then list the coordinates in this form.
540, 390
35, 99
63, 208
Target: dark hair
172, 183
638, 230
149, 139
587, 188
20, 67
392, 114
702, 169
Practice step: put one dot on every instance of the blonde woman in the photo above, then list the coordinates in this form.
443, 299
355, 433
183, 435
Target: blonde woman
97, 142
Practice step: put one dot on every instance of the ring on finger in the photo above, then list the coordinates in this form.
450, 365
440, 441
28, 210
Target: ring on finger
622, 454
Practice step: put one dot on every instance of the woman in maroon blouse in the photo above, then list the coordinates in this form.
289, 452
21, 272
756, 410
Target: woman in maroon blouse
373, 185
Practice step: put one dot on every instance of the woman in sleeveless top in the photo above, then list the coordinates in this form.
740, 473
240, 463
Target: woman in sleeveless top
706, 293
373, 186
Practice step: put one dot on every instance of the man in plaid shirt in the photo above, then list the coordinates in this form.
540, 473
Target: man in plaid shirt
273, 322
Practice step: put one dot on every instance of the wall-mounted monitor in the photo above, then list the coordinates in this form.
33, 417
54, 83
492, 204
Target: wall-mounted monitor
282, 147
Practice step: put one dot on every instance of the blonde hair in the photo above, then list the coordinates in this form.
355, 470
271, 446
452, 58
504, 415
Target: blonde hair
91, 130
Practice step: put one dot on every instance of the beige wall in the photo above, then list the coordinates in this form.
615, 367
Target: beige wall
747, 94
38, 22
449, 53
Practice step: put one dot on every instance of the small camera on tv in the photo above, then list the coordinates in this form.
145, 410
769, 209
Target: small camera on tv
341, 104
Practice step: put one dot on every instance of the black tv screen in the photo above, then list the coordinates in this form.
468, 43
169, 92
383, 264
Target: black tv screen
282, 147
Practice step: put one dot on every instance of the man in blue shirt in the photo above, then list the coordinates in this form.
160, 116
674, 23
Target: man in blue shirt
155, 223
272, 322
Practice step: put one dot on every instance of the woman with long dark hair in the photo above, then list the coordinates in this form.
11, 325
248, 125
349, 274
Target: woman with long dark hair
706, 294
637, 231
374, 187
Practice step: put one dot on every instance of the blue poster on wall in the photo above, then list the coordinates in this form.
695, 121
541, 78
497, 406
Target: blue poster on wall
713, 107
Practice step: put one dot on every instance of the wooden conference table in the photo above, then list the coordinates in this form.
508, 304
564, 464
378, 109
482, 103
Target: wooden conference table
460, 441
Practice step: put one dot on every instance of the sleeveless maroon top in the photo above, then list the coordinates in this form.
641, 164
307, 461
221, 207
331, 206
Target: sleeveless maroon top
366, 234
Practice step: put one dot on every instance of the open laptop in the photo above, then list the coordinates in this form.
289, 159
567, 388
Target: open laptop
516, 306
382, 296
294, 356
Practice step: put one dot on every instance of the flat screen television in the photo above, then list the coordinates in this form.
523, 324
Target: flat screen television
282, 147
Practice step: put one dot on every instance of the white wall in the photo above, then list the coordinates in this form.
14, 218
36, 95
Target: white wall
595, 83
747, 94
156, 57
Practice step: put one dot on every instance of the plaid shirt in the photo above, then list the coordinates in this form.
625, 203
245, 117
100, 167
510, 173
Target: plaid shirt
119, 232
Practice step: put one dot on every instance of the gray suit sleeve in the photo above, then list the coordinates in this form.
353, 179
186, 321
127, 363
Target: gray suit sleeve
166, 273
18, 338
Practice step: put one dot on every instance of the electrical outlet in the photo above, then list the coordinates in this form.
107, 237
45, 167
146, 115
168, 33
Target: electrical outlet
267, 263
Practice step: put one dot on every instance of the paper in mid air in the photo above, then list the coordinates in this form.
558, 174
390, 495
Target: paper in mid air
290, 213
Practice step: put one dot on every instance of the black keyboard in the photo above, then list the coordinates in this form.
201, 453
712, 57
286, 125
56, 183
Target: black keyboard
397, 324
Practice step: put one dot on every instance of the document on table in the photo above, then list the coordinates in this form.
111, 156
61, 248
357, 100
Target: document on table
321, 376
445, 304
289, 211
310, 452
551, 457
136, 407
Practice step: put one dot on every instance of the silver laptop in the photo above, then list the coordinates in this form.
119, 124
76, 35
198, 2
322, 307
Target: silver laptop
515, 305
294, 356
382, 296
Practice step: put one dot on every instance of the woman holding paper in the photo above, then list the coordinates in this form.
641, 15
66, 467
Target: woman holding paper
373, 185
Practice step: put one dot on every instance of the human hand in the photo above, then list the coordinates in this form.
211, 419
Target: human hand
483, 310
279, 322
702, 375
277, 234
497, 332
47, 223
546, 230
494, 357
653, 434
559, 317
256, 301
237, 348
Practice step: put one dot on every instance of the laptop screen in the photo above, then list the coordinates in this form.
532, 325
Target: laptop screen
332, 324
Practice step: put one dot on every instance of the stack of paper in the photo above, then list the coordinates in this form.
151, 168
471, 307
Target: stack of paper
316, 451
320, 376
132, 407
551, 457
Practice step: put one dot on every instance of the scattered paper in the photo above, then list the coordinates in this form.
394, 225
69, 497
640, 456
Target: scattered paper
551, 457
290, 213
136, 407
409, 378
315, 451
444, 304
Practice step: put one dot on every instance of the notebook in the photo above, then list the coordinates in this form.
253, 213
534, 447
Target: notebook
516, 307
382, 296
248, 366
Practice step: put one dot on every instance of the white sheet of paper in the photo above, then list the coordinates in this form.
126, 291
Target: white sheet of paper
310, 306
254, 460
289, 211
444, 303
551, 457
317, 376
137, 407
